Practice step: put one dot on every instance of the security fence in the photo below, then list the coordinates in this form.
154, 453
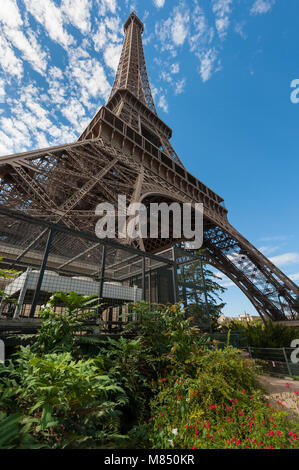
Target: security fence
52, 258
275, 360
272, 360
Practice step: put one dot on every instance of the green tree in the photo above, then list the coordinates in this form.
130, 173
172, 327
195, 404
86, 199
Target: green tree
201, 292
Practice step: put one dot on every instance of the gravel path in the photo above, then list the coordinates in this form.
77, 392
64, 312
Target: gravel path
282, 392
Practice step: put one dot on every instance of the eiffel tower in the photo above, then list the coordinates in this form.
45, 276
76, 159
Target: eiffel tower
126, 150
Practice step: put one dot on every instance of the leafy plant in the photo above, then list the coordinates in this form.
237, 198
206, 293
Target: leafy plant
260, 335
221, 407
15, 432
165, 387
73, 403
57, 331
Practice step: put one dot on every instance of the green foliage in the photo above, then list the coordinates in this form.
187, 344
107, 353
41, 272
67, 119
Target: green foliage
164, 387
61, 400
260, 335
220, 407
57, 331
73, 403
15, 432
181, 420
168, 333
199, 287
131, 365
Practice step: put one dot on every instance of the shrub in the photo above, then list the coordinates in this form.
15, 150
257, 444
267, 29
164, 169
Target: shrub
57, 330
269, 335
73, 403
222, 407
164, 388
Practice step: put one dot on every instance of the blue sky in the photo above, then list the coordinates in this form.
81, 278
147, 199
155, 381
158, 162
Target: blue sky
221, 73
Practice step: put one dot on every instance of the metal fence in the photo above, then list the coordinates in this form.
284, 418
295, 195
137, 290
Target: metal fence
272, 360
275, 360
51, 258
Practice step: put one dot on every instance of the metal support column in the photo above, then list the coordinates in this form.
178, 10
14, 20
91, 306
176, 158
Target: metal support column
41, 273
103, 263
287, 362
143, 277
102, 278
174, 276
150, 283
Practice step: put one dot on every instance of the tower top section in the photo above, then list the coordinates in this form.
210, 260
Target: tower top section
133, 18
131, 73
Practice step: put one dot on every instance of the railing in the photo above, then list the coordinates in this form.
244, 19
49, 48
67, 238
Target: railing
276, 360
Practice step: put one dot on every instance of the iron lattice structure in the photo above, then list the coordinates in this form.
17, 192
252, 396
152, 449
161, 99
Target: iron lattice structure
126, 150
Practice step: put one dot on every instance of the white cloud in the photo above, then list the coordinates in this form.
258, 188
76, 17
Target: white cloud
166, 77
239, 30
267, 250
162, 31
12, 22
180, 86
285, 259
56, 72
14, 136
159, 3
89, 75
261, 6
200, 27
6, 144
2, 91
9, 14
107, 5
175, 68
207, 62
11, 64
31, 124
112, 56
162, 103
100, 37
42, 141
113, 23
56, 90
109, 31
78, 12
51, 17
223, 280
74, 112
173, 31
179, 29
294, 277
31, 51
222, 11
